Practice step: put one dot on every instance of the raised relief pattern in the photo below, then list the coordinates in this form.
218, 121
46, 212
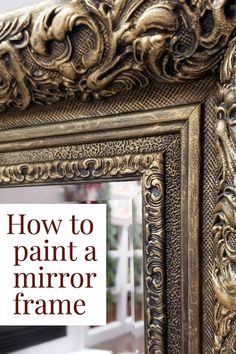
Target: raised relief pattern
224, 230
149, 167
80, 169
98, 48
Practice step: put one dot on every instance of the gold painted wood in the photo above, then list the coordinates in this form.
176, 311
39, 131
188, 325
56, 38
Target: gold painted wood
179, 127
190, 135
69, 133
96, 49
99, 49
224, 230
149, 168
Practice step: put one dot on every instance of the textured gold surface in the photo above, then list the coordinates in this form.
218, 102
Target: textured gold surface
167, 120
100, 48
70, 169
224, 231
154, 233
127, 158
150, 168
93, 54
209, 193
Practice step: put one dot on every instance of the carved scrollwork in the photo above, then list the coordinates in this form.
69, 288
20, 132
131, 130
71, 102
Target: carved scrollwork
72, 169
224, 230
155, 263
98, 48
149, 167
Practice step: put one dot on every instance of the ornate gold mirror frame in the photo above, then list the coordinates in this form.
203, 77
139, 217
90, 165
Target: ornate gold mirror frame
65, 51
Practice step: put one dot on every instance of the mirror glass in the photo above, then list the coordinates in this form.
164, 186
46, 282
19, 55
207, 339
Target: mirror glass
124, 332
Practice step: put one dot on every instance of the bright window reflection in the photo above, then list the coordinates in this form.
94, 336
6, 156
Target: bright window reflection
6, 6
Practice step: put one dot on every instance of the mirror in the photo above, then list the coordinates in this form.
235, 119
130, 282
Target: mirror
124, 331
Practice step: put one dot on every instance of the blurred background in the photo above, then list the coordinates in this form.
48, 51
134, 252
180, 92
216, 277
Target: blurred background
124, 332
6, 6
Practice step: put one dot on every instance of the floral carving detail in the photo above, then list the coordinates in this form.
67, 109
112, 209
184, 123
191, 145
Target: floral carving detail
14, 89
148, 167
72, 169
98, 48
224, 230
155, 263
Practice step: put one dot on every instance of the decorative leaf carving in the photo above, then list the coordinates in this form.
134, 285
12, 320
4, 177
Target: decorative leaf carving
224, 230
98, 48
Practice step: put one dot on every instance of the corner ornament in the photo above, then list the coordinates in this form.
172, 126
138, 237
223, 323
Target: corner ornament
98, 48
224, 229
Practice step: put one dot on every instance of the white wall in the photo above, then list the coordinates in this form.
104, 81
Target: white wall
6, 6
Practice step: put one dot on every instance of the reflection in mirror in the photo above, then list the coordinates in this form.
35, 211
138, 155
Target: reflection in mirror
12, 5
124, 332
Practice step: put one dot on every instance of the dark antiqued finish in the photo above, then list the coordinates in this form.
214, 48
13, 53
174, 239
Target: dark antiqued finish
133, 84
224, 230
71, 169
100, 48
155, 154
13, 338
150, 169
